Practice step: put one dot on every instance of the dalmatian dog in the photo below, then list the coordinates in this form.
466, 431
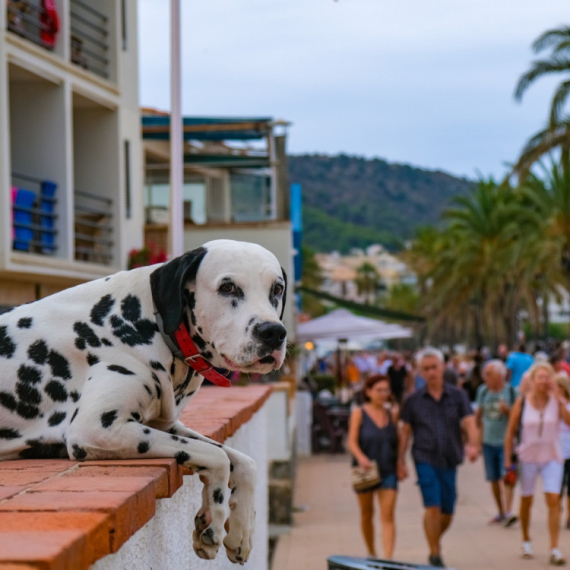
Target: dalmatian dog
93, 372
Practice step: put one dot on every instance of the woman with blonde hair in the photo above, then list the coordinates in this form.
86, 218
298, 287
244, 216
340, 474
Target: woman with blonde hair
373, 436
563, 387
536, 417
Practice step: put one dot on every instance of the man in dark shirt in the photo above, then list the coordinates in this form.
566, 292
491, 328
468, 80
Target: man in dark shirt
397, 372
434, 415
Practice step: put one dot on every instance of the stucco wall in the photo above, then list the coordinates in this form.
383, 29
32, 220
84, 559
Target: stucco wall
165, 542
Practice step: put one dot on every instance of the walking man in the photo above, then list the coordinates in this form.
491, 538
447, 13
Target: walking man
495, 399
435, 415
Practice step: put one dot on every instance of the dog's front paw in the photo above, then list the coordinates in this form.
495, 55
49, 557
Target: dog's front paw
206, 543
238, 541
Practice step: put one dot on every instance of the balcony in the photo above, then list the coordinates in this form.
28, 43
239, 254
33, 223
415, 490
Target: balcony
93, 228
90, 38
31, 20
33, 215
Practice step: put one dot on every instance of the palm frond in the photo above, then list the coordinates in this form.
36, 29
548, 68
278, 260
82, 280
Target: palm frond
551, 38
560, 96
538, 69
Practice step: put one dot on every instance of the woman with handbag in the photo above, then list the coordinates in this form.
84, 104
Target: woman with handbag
539, 414
373, 442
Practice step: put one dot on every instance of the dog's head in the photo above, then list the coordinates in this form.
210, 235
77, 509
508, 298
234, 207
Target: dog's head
232, 295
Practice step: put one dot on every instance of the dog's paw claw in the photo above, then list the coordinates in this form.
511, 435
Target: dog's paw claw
205, 544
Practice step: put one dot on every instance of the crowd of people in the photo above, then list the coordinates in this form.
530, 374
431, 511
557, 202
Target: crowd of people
512, 408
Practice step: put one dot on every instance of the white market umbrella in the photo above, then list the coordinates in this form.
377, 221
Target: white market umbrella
342, 324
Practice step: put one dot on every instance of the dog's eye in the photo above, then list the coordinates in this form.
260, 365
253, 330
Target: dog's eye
227, 288
278, 289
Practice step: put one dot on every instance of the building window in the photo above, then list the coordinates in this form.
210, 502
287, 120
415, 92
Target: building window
128, 179
251, 196
157, 202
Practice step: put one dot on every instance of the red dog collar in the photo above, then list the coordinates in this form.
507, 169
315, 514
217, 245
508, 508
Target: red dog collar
195, 360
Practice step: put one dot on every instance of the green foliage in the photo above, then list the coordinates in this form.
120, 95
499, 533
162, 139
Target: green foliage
313, 279
325, 382
403, 297
353, 202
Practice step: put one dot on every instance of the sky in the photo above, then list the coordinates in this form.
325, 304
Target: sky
423, 82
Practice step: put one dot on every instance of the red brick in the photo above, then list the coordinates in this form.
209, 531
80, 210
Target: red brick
25, 476
6, 492
49, 550
94, 526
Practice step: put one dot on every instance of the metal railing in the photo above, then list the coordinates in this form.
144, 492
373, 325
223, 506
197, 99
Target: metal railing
33, 215
30, 20
89, 38
93, 228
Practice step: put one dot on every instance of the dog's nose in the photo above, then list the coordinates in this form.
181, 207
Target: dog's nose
271, 334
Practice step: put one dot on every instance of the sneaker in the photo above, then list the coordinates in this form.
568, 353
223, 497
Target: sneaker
528, 552
497, 519
510, 520
556, 558
436, 561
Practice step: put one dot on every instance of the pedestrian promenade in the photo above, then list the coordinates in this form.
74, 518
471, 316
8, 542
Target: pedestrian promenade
330, 523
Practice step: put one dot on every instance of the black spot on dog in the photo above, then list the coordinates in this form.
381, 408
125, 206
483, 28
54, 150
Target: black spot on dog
59, 365
101, 309
172, 430
87, 334
106, 342
147, 389
158, 390
136, 415
155, 378
140, 332
231, 467
143, 447
172, 368
174, 437
25, 323
157, 365
146, 430
193, 318
190, 394
73, 416
233, 490
207, 355
120, 369
56, 391
218, 496
56, 418
38, 352
40, 450
131, 308
27, 411
27, 393
8, 401
251, 321
200, 330
78, 452
234, 303
7, 346
75, 396
92, 359
9, 433
29, 374
80, 343
107, 278
200, 342
108, 418
182, 457
190, 299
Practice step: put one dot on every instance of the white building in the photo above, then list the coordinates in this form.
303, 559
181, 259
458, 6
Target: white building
70, 145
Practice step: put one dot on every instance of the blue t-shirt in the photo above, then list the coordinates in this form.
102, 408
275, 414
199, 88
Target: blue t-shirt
518, 363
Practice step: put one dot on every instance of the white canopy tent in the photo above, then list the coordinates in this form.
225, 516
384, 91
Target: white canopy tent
342, 324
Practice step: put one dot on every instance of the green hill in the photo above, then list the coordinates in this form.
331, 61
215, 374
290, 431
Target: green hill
353, 202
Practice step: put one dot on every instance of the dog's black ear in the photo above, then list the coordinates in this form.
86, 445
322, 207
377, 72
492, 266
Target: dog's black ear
284, 294
168, 283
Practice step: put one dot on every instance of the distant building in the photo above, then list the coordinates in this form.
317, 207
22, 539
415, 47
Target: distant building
235, 184
70, 144
340, 272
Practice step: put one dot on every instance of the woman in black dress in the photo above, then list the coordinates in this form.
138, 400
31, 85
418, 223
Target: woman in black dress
373, 436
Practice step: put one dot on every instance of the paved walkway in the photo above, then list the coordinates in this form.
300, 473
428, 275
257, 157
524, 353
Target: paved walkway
330, 523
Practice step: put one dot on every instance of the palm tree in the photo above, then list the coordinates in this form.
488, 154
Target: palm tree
367, 281
557, 132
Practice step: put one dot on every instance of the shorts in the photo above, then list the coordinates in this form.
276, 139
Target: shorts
388, 482
438, 486
493, 458
565, 479
550, 472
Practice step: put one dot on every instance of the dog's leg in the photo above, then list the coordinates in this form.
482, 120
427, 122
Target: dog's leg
243, 474
108, 425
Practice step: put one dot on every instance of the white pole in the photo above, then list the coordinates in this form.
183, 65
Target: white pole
176, 142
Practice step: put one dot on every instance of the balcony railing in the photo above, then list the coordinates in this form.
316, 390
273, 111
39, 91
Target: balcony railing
89, 38
93, 228
31, 20
33, 215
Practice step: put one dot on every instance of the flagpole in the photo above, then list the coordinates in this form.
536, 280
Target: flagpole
176, 142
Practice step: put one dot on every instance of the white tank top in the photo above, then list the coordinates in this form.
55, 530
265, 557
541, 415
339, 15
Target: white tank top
540, 437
